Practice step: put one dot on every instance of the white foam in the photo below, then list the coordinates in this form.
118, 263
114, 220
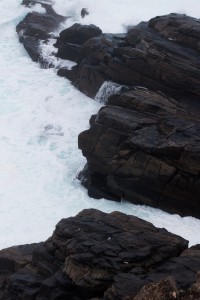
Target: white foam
115, 15
41, 116
107, 89
48, 52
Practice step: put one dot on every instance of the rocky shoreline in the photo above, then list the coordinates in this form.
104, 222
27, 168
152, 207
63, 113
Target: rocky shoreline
143, 145
102, 256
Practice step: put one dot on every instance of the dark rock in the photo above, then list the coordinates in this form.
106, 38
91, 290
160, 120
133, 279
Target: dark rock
37, 28
70, 40
108, 254
144, 57
79, 34
68, 51
92, 254
144, 147
84, 12
164, 289
15, 258
178, 28
125, 285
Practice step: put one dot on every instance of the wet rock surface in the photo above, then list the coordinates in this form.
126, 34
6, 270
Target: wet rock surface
37, 28
71, 39
102, 256
158, 54
144, 147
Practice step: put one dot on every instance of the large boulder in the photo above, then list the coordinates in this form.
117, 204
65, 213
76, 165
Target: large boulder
71, 39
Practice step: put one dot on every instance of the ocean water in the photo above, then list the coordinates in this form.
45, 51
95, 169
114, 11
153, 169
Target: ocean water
41, 116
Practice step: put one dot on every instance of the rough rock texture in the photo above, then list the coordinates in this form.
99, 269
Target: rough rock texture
158, 54
145, 147
179, 28
37, 28
107, 256
71, 39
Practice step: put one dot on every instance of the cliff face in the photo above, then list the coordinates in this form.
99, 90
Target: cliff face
144, 146
107, 256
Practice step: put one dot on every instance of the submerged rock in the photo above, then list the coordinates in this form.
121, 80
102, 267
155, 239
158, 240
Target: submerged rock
108, 256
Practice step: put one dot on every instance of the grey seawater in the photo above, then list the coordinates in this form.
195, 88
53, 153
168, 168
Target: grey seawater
41, 116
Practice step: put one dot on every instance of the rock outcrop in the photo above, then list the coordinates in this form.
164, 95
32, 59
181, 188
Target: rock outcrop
37, 28
101, 256
160, 55
71, 40
145, 147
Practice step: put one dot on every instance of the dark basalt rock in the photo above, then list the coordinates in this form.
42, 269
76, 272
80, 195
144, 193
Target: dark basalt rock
179, 28
107, 256
37, 28
144, 147
143, 57
71, 39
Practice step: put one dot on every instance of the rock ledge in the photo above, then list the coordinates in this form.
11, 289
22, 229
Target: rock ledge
106, 256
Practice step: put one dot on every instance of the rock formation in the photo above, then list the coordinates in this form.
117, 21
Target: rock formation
71, 40
37, 28
144, 145
166, 61
101, 256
